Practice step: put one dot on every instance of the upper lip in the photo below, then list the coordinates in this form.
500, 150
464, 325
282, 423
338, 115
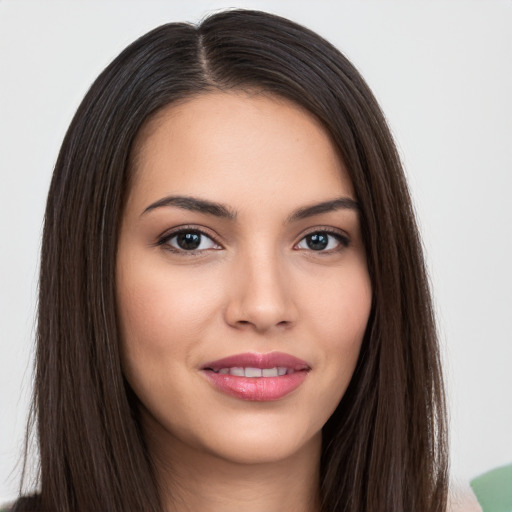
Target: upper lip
256, 360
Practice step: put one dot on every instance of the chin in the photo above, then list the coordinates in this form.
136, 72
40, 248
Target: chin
256, 439
262, 447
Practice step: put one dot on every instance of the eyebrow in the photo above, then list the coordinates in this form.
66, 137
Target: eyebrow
193, 204
341, 203
219, 210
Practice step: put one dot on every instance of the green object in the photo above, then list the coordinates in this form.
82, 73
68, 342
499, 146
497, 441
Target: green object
494, 490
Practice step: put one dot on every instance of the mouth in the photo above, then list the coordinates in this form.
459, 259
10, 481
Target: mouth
250, 372
257, 377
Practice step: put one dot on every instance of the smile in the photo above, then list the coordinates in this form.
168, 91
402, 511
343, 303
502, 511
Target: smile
257, 377
255, 372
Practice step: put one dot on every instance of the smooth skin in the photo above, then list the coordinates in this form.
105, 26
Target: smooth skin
252, 275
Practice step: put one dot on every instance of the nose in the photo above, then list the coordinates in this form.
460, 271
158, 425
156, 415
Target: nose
260, 294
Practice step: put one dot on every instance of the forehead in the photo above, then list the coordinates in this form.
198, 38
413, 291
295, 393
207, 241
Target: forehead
238, 145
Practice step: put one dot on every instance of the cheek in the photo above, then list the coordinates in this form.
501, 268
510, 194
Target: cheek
161, 313
340, 317
342, 306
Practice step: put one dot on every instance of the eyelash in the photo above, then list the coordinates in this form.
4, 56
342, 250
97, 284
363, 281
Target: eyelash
164, 240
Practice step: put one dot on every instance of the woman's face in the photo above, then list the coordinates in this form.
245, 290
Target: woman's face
240, 239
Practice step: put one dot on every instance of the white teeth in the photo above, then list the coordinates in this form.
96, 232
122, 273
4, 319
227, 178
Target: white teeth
238, 371
253, 372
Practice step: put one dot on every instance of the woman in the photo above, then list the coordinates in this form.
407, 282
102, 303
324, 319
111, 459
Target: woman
233, 308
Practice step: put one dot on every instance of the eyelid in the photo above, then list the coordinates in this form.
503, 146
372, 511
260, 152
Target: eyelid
325, 229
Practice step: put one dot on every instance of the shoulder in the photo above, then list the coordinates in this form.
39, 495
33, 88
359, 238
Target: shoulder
462, 499
494, 489
490, 492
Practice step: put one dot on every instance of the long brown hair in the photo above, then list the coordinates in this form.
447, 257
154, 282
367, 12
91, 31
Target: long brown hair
384, 448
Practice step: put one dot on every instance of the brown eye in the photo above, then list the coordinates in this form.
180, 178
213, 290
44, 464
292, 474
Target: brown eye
323, 241
188, 241
317, 241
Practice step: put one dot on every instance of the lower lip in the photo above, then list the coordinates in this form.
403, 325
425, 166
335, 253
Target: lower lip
258, 389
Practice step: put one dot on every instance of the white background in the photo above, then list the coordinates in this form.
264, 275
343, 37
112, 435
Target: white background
442, 71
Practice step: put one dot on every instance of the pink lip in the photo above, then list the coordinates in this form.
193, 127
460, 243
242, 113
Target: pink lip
255, 360
257, 388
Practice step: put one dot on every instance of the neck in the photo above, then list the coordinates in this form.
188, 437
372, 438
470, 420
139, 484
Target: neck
191, 480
